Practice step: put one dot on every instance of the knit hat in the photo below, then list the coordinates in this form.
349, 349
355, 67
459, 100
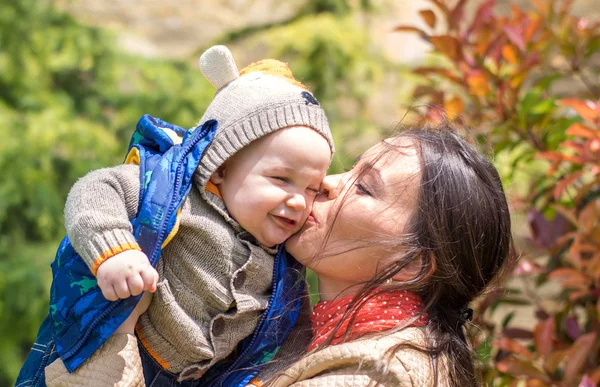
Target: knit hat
261, 99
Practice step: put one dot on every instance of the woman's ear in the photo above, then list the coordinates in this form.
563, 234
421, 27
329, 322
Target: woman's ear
219, 175
411, 270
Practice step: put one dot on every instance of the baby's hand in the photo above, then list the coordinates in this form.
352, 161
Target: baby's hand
126, 274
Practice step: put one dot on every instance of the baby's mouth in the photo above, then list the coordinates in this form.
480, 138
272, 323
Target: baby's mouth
285, 222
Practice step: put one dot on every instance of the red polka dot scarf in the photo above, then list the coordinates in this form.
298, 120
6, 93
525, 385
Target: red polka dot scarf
380, 313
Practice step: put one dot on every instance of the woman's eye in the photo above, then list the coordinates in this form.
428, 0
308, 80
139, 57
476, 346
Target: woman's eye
361, 189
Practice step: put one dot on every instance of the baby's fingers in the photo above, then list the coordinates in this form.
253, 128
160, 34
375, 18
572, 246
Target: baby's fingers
135, 284
121, 289
109, 293
150, 277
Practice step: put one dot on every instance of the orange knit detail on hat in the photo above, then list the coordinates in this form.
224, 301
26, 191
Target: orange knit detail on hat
273, 67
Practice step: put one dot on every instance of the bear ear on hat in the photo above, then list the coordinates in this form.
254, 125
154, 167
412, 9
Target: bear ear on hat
218, 67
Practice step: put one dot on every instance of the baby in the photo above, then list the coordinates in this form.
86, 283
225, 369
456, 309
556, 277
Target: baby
253, 189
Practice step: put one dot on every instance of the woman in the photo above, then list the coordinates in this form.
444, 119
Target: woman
401, 244
420, 218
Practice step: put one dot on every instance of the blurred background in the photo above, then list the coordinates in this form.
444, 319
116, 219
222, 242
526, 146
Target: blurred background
523, 76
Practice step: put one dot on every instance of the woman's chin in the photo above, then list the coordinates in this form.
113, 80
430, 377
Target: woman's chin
302, 244
291, 245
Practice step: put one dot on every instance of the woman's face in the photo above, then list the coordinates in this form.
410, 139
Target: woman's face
357, 211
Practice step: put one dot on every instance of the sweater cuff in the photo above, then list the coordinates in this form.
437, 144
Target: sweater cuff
106, 245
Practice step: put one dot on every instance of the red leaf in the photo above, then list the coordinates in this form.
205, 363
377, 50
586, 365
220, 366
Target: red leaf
439, 71
517, 12
545, 232
595, 375
517, 333
542, 6
422, 90
447, 45
429, 17
530, 383
515, 347
494, 51
543, 336
454, 107
491, 48
532, 27
574, 257
555, 359
566, 272
510, 54
520, 368
551, 155
567, 214
575, 146
574, 296
572, 327
570, 278
588, 216
435, 114
564, 183
580, 350
532, 60
586, 109
440, 4
514, 36
560, 157
419, 31
478, 83
586, 381
580, 130
482, 16
456, 15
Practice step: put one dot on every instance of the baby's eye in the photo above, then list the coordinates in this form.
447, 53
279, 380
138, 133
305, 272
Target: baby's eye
313, 191
281, 178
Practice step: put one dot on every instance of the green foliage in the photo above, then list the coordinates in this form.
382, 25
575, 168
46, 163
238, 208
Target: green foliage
334, 8
68, 104
69, 101
528, 83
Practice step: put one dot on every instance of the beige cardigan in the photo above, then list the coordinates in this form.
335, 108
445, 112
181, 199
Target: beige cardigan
354, 364
363, 362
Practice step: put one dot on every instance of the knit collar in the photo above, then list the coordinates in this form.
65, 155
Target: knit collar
384, 311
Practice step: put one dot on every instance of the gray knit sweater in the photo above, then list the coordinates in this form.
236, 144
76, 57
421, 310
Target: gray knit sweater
215, 281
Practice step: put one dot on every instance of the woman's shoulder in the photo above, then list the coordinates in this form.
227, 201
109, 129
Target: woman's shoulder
362, 362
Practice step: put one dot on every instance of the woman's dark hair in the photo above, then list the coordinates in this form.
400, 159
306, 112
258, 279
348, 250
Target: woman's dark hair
461, 232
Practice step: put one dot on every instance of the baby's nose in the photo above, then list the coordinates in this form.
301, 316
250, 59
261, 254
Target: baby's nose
297, 202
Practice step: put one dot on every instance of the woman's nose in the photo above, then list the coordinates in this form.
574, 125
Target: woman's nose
332, 186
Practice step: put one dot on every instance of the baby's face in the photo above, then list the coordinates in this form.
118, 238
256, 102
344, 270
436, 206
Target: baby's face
269, 186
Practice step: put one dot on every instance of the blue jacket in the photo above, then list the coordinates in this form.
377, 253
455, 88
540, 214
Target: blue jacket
81, 319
